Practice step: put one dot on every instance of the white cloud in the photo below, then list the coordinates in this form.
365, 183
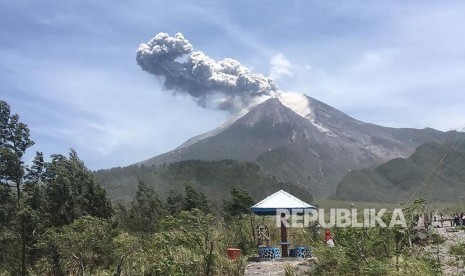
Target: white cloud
372, 60
280, 66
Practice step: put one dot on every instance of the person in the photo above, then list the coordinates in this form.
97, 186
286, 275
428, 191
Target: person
329, 240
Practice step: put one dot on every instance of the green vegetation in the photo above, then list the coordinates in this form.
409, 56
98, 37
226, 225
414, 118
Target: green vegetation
397, 179
376, 251
38, 198
214, 178
57, 219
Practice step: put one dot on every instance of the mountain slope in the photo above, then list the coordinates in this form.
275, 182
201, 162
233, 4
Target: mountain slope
312, 145
215, 178
396, 180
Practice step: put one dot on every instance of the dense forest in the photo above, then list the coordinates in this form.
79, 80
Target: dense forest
57, 219
214, 178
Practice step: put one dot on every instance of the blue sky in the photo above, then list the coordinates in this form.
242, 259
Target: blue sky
68, 67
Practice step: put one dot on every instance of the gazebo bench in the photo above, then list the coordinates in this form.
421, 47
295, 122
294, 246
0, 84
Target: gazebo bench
269, 253
300, 252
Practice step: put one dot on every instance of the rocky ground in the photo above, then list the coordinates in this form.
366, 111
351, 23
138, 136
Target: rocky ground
449, 263
276, 267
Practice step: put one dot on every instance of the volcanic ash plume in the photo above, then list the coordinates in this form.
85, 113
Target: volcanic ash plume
229, 84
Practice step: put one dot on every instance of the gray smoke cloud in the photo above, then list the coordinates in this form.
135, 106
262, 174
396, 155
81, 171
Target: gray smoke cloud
232, 85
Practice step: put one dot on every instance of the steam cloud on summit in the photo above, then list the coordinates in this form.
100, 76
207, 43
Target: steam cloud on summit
231, 85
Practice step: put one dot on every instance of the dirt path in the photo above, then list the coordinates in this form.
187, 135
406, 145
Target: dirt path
276, 267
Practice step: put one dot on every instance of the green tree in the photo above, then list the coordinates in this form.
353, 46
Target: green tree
33, 212
240, 220
14, 141
240, 203
9, 237
146, 211
175, 202
71, 191
36, 172
82, 247
196, 200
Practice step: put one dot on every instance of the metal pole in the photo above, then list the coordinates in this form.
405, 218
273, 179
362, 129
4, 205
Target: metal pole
283, 239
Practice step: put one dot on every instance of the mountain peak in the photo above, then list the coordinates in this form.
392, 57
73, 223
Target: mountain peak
271, 111
302, 140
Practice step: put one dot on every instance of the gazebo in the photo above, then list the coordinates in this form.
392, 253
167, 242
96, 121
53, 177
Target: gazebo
280, 200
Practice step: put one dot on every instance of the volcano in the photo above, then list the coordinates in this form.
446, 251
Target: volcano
302, 141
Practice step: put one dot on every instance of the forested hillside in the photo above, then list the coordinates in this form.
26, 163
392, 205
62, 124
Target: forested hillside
214, 178
397, 180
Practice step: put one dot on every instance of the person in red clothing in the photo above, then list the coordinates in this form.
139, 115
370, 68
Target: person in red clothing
329, 240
